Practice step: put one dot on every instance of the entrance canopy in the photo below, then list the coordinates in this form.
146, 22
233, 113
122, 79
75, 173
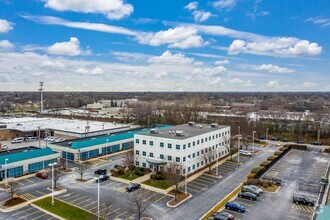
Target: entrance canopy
156, 162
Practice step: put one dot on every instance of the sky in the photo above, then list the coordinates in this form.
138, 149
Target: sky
148, 45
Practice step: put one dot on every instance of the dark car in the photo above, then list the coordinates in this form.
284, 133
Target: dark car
133, 186
300, 142
42, 175
274, 139
102, 178
285, 140
247, 195
302, 200
235, 207
316, 143
101, 172
222, 216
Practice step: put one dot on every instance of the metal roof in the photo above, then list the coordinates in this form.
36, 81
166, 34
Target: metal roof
15, 157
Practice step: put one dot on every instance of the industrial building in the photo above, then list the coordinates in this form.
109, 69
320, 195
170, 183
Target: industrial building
185, 144
61, 128
25, 162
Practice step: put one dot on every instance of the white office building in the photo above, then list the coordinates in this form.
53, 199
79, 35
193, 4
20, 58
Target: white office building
186, 144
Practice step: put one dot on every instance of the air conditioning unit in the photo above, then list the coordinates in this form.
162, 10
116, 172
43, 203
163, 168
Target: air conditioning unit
191, 123
179, 133
214, 125
200, 126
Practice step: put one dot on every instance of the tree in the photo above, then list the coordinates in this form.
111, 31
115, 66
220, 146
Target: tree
57, 174
208, 157
13, 188
173, 175
138, 202
82, 168
128, 161
230, 146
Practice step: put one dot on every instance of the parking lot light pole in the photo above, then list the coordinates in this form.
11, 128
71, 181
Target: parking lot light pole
52, 165
266, 134
6, 171
186, 174
39, 135
98, 198
216, 172
253, 140
238, 142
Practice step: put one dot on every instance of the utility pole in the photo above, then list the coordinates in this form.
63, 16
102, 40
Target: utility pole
41, 97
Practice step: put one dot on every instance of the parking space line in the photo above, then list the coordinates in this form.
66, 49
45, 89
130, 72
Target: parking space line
197, 182
20, 183
160, 198
292, 217
123, 213
113, 211
39, 216
40, 192
244, 203
29, 180
130, 217
203, 181
194, 190
28, 215
89, 204
105, 208
78, 199
151, 196
77, 204
196, 186
208, 179
299, 213
71, 197
17, 213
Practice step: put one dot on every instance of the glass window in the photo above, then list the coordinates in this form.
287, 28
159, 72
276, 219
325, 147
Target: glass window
193, 166
189, 156
137, 152
177, 147
137, 141
202, 162
151, 154
205, 139
35, 167
177, 159
169, 158
144, 142
161, 144
202, 140
144, 164
169, 145
184, 159
127, 145
197, 153
161, 156
151, 166
151, 143
184, 147
193, 155
202, 151
197, 142
188, 169
194, 143
216, 136
197, 165
144, 153
137, 163
188, 145
209, 138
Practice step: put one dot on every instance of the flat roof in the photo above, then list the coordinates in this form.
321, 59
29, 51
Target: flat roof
26, 124
15, 157
188, 131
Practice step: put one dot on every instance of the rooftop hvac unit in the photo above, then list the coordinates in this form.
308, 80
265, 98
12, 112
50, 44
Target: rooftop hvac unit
154, 131
200, 126
179, 133
214, 125
191, 123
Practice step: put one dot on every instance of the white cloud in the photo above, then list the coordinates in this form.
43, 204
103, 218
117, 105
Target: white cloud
90, 71
5, 26
167, 58
38, 74
274, 68
323, 22
273, 84
200, 15
70, 48
221, 62
112, 9
4, 77
240, 82
5, 44
285, 46
178, 37
52, 64
224, 4
309, 84
216, 71
191, 6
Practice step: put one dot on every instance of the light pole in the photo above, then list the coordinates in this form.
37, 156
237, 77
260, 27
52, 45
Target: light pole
52, 165
46, 135
216, 172
98, 198
6, 171
266, 134
186, 174
238, 142
253, 140
66, 156
39, 134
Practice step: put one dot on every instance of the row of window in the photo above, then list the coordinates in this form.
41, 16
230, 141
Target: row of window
35, 167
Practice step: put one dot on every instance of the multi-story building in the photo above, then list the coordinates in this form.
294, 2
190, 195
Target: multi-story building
186, 144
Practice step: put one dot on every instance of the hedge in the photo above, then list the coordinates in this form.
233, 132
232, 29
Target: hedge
271, 158
251, 175
283, 148
264, 163
256, 170
278, 153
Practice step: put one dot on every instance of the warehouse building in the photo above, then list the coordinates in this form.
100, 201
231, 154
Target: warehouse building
27, 161
185, 144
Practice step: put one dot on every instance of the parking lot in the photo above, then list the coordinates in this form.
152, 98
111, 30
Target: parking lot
299, 171
29, 213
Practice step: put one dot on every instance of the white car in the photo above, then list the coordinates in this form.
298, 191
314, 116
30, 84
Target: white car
4, 147
245, 153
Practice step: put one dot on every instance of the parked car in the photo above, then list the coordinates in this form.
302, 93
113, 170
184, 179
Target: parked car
316, 143
274, 139
245, 153
4, 147
101, 172
235, 207
17, 140
27, 139
302, 200
102, 178
48, 138
247, 195
285, 140
133, 186
251, 190
42, 175
51, 139
222, 216
258, 189
300, 142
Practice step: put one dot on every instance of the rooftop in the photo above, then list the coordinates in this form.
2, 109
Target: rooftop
186, 130
15, 157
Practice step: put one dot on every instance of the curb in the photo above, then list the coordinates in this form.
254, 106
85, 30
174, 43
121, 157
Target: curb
176, 205
45, 211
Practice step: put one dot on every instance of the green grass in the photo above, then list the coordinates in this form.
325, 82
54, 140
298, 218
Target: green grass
64, 210
161, 184
127, 176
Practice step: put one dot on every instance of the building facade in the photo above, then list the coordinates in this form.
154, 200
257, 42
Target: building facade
186, 144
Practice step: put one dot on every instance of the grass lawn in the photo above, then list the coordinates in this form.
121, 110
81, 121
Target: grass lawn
162, 184
127, 176
64, 210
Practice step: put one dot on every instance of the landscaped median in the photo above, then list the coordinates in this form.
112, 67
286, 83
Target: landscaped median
64, 209
222, 202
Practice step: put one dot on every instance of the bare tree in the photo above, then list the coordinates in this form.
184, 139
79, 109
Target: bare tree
138, 202
82, 168
208, 157
230, 146
57, 174
173, 173
13, 188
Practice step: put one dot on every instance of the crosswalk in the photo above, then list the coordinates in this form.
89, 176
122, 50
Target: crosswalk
26, 196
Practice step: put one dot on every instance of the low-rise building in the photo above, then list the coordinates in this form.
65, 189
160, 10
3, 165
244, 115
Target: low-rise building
186, 144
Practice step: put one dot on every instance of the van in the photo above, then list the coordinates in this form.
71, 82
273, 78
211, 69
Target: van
27, 139
17, 140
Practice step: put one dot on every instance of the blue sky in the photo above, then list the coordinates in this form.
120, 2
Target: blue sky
145, 45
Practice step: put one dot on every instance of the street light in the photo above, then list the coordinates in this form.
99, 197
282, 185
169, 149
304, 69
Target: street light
216, 172
46, 136
98, 198
185, 182
253, 140
266, 134
52, 165
6, 171
238, 142
39, 135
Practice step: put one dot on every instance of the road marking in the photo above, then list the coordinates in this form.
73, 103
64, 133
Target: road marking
207, 179
17, 213
123, 213
40, 192
195, 186
89, 204
246, 204
292, 217
77, 199
20, 183
28, 215
102, 210
77, 204
160, 198
188, 188
27, 196
39, 216
130, 217
303, 208
197, 182
69, 198
29, 180
299, 213
113, 211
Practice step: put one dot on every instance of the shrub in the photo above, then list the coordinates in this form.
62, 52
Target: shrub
327, 150
138, 171
282, 148
252, 182
146, 170
251, 175
263, 164
278, 153
271, 158
158, 176
256, 170
114, 172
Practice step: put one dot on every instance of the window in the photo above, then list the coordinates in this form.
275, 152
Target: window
137, 152
151, 154
216, 136
127, 145
184, 171
169, 145
197, 153
151, 143
193, 155
169, 158
205, 139
202, 140
137, 163
177, 159
105, 150
144, 164
13, 172
161, 156
209, 148
197, 165
193, 166
222, 133
137, 141
189, 156
194, 143
202, 151
184, 147
197, 142
188, 169
144, 142
151, 166
205, 150
177, 147
202, 162
209, 138
35, 167
144, 153
188, 145
213, 137
161, 144
184, 159
213, 147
